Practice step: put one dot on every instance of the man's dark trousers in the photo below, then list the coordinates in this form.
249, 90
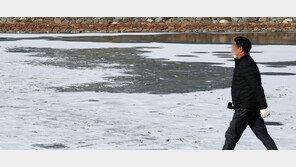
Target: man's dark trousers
240, 120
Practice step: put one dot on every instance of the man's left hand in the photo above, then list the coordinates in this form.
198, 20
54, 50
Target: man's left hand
264, 113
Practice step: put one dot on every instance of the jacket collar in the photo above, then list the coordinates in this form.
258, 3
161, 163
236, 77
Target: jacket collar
240, 59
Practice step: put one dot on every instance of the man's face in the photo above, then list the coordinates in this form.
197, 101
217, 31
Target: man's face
236, 50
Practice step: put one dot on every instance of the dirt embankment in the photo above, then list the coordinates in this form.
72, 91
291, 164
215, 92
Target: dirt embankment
146, 24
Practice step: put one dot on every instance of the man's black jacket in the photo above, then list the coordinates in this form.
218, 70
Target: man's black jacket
246, 90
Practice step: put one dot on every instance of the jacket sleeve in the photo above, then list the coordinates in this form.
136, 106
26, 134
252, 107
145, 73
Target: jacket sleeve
252, 75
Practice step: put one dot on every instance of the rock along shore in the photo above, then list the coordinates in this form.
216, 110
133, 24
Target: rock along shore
146, 24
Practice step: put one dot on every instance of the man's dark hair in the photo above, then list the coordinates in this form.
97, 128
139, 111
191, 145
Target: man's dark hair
243, 42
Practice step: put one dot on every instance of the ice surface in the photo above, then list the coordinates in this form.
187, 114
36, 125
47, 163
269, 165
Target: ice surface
33, 117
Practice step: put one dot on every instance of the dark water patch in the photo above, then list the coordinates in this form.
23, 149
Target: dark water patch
266, 38
146, 75
186, 56
156, 149
273, 123
87, 145
150, 47
23, 50
201, 52
5, 39
277, 73
82, 58
274, 66
161, 59
93, 100
222, 52
256, 52
279, 64
51, 146
222, 55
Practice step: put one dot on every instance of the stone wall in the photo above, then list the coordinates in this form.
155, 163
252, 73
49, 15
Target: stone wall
146, 24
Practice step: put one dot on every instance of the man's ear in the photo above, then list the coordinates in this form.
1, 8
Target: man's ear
241, 49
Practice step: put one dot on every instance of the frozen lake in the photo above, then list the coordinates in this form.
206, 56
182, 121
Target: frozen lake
136, 90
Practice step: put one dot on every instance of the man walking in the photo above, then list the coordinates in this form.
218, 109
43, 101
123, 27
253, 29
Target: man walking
248, 98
